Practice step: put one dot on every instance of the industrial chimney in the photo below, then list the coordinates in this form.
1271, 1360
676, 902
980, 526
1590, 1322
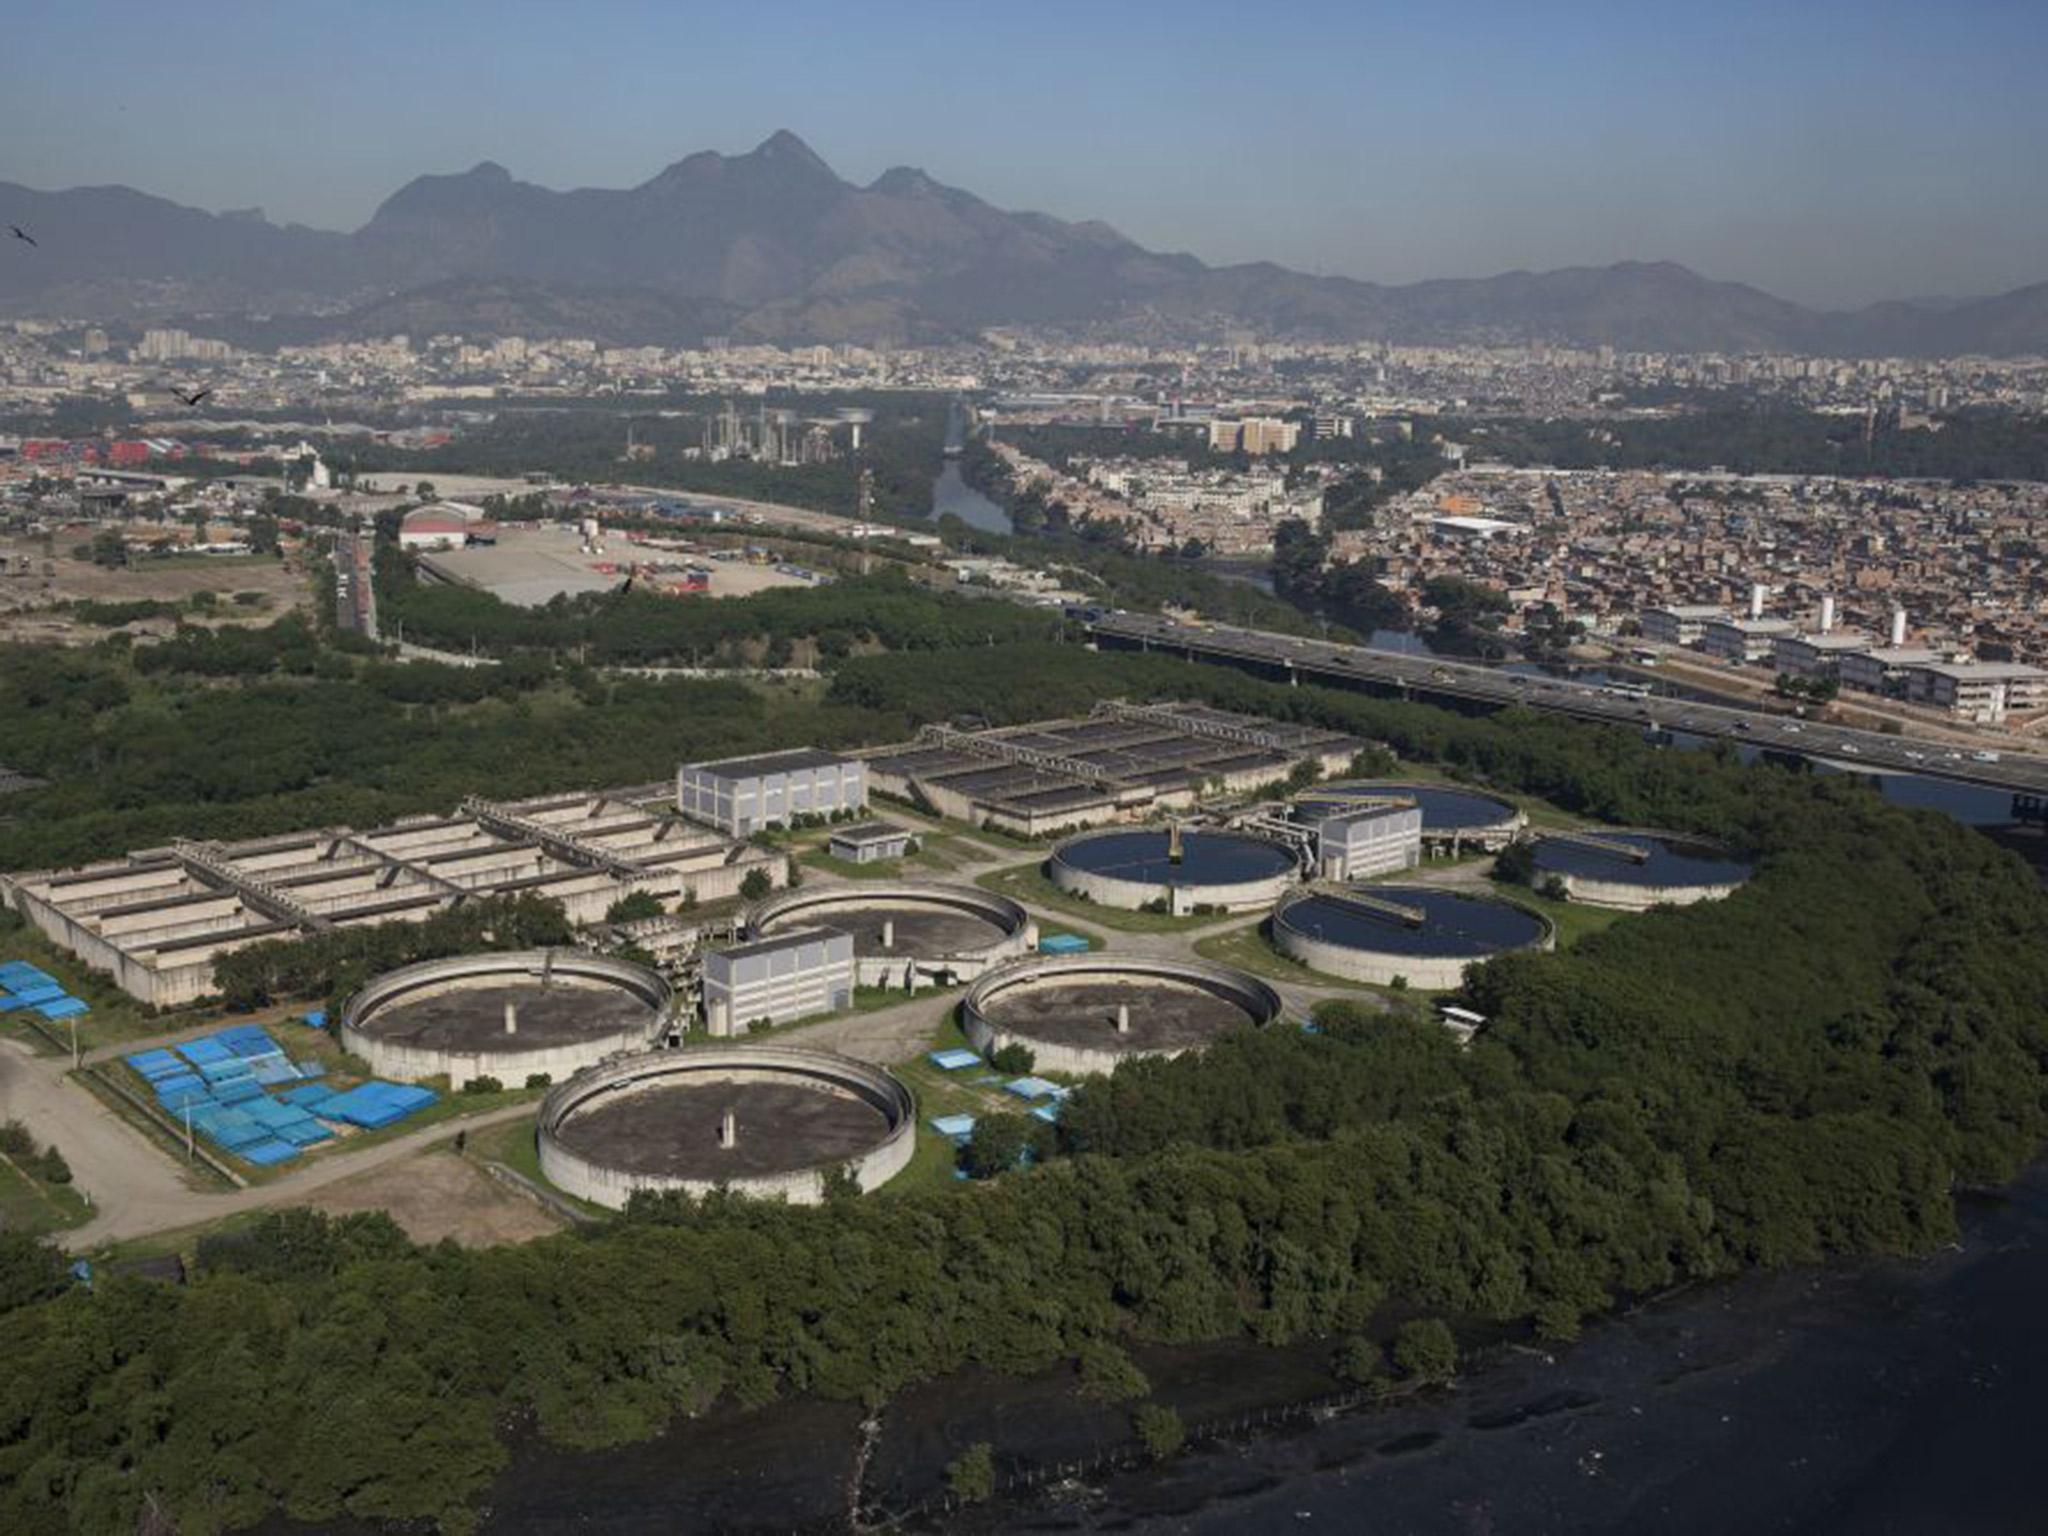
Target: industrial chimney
1827, 614
1898, 626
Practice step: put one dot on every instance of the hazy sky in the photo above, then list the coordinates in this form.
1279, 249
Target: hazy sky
1831, 152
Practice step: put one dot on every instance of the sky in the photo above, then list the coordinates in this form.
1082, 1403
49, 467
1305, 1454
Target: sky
1829, 152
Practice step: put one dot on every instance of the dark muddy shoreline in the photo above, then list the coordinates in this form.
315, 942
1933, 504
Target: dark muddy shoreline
1896, 1397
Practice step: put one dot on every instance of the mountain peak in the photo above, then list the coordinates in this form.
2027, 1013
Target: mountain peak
785, 148
488, 170
902, 180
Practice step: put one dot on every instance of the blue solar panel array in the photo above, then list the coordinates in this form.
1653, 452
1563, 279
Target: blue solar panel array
219, 1084
23, 985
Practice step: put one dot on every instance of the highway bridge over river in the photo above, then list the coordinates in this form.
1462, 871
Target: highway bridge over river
1290, 658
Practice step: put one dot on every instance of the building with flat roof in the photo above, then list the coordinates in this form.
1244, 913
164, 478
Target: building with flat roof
1982, 692
1743, 640
1884, 669
869, 842
744, 795
797, 974
1679, 623
1371, 840
1818, 656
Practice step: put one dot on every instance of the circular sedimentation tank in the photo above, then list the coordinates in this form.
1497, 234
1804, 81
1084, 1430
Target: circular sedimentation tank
1085, 1013
1634, 870
767, 1121
1134, 868
1425, 935
1453, 817
509, 1016
907, 933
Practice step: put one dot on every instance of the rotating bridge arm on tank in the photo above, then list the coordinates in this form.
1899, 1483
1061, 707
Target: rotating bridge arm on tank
1614, 848
1013, 752
210, 864
565, 846
1375, 906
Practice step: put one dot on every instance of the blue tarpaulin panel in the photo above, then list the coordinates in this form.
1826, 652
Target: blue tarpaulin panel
225, 1072
235, 1130
312, 1069
317, 1019
271, 1073
19, 973
268, 1152
953, 1060
63, 1008
1062, 944
1031, 1088
1050, 1113
199, 1052
304, 1133
306, 1095
242, 1091
954, 1127
155, 1064
176, 1100
369, 1106
29, 996
175, 1082
253, 1045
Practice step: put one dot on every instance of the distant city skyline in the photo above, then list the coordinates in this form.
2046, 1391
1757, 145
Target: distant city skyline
1844, 154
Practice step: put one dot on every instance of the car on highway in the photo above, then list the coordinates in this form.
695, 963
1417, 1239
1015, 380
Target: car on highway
1852, 749
1985, 757
1790, 727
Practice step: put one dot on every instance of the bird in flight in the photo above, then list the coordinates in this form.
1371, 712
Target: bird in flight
22, 234
192, 399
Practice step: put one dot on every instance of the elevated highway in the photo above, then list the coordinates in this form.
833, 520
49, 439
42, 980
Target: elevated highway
1290, 658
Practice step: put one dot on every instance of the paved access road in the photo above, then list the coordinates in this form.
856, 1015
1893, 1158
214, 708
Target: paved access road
1321, 661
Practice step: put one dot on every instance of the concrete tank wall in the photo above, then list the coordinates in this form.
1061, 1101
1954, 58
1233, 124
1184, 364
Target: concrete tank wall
409, 1063
1261, 1003
1133, 895
1378, 968
613, 1187
1625, 897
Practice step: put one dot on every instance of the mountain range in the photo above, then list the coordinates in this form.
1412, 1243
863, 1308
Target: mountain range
773, 245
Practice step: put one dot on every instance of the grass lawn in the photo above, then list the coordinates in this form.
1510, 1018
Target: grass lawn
943, 1093
515, 1147
1574, 919
1247, 949
1027, 883
27, 1204
937, 854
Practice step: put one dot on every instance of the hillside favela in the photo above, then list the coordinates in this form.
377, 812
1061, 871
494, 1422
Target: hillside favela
1075, 769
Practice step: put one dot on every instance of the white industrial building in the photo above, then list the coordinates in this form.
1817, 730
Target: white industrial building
1743, 640
869, 842
786, 976
1884, 669
1983, 692
1371, 840
1680, 623
1817, 656
744, 795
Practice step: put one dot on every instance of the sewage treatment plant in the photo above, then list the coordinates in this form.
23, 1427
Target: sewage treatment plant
1454, 819
1633, 870
1423, 935
507, 1016
1085, 1013
908, 934
1145, 866
758, 1120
